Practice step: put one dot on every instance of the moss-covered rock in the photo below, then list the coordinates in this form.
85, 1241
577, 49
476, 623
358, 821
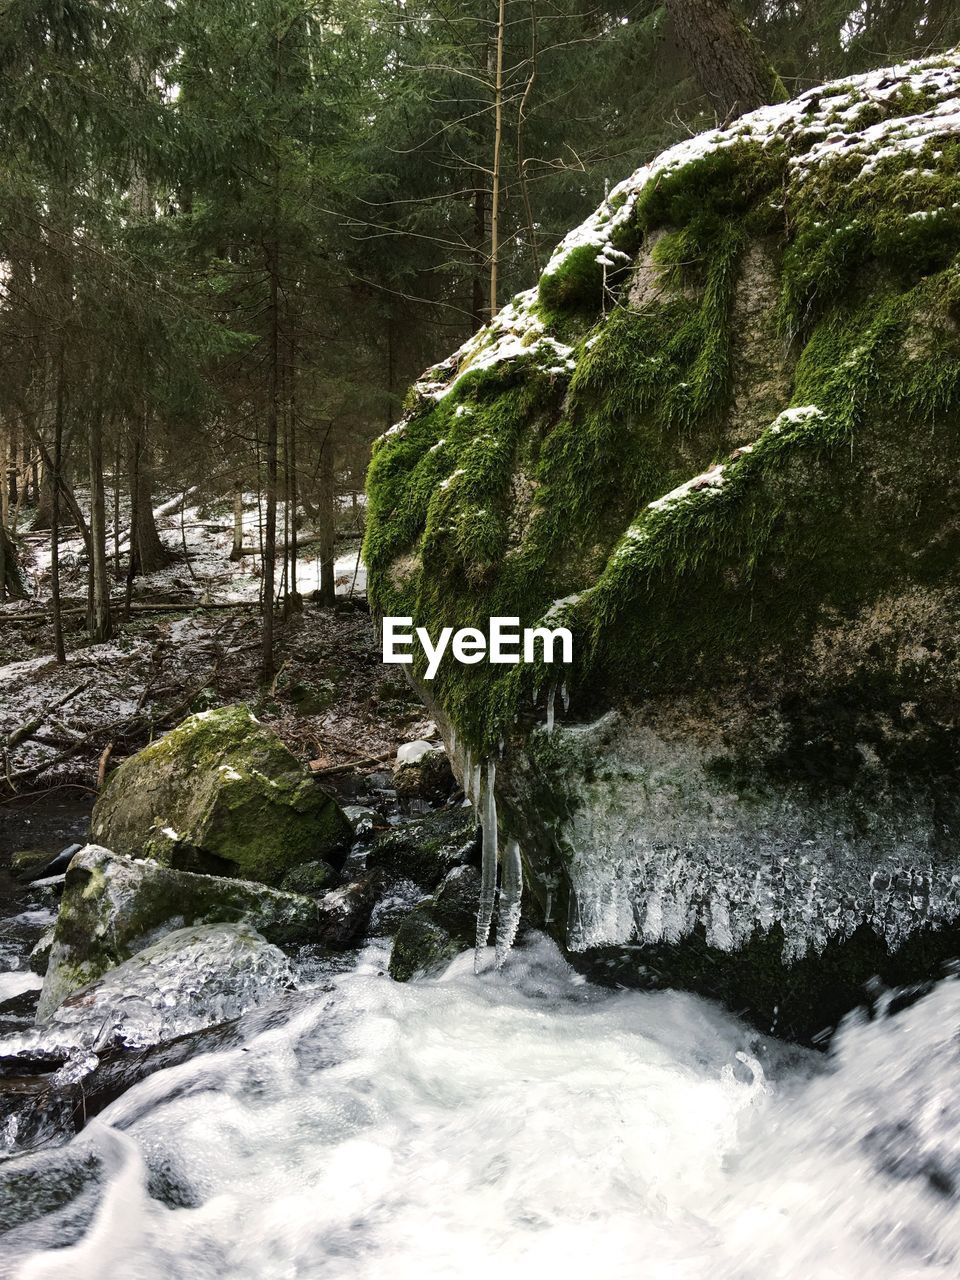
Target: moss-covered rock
425, 849
437, 929
422, 771
719, 443
313, 878
220, 793
113, 907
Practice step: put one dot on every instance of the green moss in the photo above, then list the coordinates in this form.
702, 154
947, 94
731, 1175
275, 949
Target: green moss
219, 793
526, 499
422, 947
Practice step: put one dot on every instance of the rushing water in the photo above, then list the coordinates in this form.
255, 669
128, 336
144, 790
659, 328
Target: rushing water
517, 1124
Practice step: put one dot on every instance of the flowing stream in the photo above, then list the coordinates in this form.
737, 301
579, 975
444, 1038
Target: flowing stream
520, 1123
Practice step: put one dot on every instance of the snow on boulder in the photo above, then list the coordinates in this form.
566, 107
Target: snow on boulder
423, 769
220, 793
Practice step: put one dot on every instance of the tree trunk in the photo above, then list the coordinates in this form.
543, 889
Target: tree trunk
43, 515
497, 139
272, 444
117, 474
99, 627
327, 528
11, 583
8, 472
293, 496
148, 551
728, 61
4, 512
478, 310
59, 410
236, 551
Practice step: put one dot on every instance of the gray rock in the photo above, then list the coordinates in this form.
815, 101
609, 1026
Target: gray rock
438, 929
362, 818
425, 849
344, 913
743, 780
423, 770
311, 878
114, 907
191, 979
39, 958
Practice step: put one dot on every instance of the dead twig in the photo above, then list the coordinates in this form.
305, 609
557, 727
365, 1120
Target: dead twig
102, 765
353, 764
30, 727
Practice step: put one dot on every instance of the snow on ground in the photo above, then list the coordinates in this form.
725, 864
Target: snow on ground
162, 665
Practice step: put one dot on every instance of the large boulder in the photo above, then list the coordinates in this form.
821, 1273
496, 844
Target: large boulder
114, 907
719, 443
220, 793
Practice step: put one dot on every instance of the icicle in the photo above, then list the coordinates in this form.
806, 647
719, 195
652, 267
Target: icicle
508, 911
551, 696
488, 875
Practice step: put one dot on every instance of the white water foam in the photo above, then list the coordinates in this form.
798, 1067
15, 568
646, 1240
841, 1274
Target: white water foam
527, 1123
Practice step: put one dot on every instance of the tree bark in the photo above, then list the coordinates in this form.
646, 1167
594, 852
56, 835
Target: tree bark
236, 551
149, 553
728, 61
272, 445
11, 583
293, 495
478, 309
497, 139
4, 511
328, 523
59, 411
99, 625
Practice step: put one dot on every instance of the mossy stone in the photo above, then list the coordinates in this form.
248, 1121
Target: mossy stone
425, 849
113, 907
220, 793
311, 878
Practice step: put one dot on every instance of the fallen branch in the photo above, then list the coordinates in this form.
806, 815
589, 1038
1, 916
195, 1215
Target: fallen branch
102, 765
30, 727
186, 607
353, 764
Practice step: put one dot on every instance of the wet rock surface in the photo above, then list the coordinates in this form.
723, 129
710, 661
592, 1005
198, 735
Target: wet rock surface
114, 907
438, 928
190, 979
425, 849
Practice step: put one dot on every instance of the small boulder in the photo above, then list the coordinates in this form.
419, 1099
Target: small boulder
345, 912
423, 770
39, 958
114, 907
438, 929
361, 818
190, 979
425, 850
220, 793
312, 878
25, 861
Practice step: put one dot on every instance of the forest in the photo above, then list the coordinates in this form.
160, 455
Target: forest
233, 234
479, 639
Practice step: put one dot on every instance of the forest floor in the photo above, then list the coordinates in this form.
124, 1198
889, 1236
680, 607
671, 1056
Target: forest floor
331, 700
